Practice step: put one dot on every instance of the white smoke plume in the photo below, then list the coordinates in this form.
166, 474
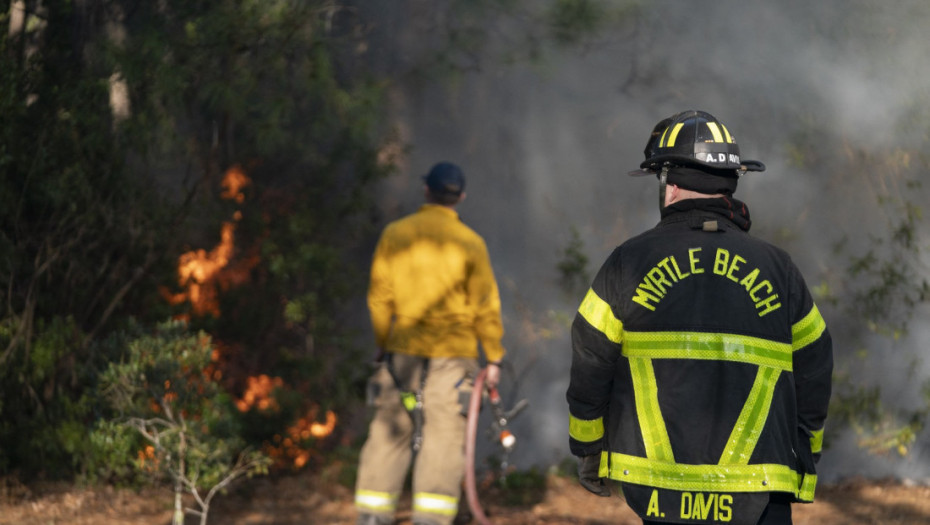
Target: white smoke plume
804, 87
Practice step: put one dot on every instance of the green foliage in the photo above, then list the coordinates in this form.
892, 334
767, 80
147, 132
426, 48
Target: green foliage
804, 148
93, 215
96, 207
880, 292
113, 449
41, 401
880, 430
164, 391
278, 88
573, 267
471, 33
79, 237
572, 20
888, 280
521, 488
567, 468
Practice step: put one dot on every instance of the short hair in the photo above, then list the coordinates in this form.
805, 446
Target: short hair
446, 199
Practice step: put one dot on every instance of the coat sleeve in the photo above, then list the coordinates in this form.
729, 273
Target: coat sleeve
381, 292
597, 336
484, 295
813, 366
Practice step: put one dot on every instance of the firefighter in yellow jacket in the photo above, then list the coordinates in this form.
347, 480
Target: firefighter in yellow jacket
432, 298
701, 367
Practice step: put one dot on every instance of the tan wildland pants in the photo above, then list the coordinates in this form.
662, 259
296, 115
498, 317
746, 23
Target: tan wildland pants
387, 453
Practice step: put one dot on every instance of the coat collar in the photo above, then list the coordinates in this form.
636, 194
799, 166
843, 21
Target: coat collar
438, 208
729, 208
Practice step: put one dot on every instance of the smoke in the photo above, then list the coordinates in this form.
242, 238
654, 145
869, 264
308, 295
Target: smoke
805, 87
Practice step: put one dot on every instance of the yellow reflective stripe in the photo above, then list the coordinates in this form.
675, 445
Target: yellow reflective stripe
377, 501
585, 430
715, 131
662, 138
674, 135
751, 419
597, 312
435, 503
698, 345
409, 399
817, 441
651, 423
808, 329
766, 477
726, 132
808, 486
603, 469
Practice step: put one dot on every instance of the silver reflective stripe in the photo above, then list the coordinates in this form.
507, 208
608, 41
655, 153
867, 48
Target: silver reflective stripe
374, 500
435, 504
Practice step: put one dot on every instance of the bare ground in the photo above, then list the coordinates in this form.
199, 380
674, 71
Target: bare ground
316, 498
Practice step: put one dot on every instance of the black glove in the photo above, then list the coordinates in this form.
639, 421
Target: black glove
588, 476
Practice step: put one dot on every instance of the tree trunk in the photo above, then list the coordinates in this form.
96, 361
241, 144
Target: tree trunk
178, 485
17, 17
119, 90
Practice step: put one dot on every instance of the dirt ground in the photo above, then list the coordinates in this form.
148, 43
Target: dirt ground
309, 498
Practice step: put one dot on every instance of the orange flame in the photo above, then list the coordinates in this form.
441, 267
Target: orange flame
233, 182
202, 272
291, 447
321, 430
147, 459
258, 394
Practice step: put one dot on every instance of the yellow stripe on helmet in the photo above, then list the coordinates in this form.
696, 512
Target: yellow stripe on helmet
727, 133
715, 131
673, 135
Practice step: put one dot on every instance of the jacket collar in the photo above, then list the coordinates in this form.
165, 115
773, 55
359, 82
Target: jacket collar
438, 208
728, 208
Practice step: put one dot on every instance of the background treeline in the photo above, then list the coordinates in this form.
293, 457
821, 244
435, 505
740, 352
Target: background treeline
120, 121
188, 192
208, 161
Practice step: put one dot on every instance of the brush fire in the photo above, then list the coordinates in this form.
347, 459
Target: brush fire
202, 275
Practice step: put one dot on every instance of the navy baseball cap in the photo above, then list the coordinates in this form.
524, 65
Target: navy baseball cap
445, 178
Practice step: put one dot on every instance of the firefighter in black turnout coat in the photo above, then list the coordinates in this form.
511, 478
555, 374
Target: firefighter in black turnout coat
701, 366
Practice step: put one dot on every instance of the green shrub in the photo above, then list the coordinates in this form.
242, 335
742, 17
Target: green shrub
164, 391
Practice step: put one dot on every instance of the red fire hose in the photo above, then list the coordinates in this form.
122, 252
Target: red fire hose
474, 409
503, 436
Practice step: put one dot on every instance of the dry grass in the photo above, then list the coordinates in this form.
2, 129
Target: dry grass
317, 498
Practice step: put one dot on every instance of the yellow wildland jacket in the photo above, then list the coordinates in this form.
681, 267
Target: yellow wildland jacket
432, 290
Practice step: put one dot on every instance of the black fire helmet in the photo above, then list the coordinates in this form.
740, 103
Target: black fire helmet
694, 139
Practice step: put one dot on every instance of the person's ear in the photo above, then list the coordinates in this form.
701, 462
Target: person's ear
671, 193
